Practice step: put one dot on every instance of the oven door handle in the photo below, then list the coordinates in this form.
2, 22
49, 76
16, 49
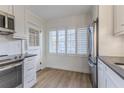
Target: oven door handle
2, 68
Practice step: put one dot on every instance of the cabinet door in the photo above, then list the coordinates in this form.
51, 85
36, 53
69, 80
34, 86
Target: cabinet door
118, 20
11, 9
108, 82
29, 72
107, 78
100, 75
19, 12
7, 8
104, 77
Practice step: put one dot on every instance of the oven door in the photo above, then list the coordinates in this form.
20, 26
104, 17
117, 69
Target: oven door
93, 73
11, 75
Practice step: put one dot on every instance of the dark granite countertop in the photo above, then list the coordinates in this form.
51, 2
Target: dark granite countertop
29, 55
14, 58
110, 62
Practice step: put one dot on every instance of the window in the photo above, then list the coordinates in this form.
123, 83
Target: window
68, 41
71, 41
52, 41
61, 41
82, 41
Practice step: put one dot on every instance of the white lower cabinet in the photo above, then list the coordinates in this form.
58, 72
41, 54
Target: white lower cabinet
100, 75
107, 78
29, 72
109, 83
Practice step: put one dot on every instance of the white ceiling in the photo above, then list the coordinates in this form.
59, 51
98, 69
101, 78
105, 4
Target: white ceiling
58, 11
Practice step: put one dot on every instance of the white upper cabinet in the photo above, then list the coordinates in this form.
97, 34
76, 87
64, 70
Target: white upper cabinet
95, 13
7, 8
119, 20
19, 13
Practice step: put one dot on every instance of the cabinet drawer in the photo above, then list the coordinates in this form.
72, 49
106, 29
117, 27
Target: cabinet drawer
27, 73
29, 66
29, 81
29, 59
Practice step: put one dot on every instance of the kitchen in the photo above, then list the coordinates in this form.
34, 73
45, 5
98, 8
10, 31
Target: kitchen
80, 45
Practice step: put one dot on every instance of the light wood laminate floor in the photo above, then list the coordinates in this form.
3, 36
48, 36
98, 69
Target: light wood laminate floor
54, 78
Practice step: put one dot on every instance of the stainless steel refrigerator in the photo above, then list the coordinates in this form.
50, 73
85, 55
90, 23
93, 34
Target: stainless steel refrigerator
93, 52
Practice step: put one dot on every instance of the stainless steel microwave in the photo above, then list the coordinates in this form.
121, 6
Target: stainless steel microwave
7, 24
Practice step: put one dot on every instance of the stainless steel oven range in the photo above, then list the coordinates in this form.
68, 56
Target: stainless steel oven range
10, 72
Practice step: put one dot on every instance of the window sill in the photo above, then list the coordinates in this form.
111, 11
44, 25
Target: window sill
70, 55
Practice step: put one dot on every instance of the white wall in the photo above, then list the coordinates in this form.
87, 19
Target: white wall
109, 45
72, 63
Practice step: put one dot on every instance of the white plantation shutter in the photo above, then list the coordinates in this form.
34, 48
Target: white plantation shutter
52, 41
82, 41
61, 41
68, 41
71, 41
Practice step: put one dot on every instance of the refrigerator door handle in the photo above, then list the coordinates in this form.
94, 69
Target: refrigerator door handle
91, 64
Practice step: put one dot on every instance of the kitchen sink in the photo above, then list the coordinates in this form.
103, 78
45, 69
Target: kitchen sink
120, 65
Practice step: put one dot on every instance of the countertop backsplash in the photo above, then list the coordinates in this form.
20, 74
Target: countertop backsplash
9, 46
